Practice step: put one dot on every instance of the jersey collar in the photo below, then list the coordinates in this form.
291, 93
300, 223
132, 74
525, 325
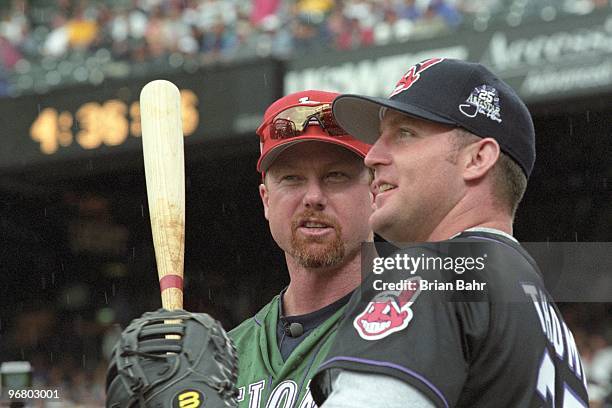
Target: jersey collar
487, 230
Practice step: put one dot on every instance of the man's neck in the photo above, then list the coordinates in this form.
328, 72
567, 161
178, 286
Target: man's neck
466, 215
312, 289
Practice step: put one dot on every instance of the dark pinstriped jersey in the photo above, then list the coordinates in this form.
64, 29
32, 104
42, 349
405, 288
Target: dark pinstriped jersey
501, 344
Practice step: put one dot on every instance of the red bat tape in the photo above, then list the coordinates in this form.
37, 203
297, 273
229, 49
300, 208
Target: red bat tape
171, 281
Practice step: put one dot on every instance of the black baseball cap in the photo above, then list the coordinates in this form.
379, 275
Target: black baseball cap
450, 92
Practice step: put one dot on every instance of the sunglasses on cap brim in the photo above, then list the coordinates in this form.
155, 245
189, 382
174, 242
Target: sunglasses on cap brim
293, 122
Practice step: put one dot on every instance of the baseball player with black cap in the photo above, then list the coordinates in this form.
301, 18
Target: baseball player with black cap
453, 147
316, 197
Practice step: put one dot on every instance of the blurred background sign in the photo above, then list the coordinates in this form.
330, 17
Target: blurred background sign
568, 57
89, 121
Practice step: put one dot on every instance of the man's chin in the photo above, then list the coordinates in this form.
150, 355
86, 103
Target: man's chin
316, 255
311, 250
384, 226
379, 222
317, 263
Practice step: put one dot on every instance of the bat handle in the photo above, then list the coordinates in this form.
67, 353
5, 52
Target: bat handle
172, 298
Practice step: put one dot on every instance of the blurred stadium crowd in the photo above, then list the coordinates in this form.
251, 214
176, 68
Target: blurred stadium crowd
88, 40
45, 44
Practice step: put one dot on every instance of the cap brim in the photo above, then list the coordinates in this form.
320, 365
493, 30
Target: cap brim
266, 161
359, 115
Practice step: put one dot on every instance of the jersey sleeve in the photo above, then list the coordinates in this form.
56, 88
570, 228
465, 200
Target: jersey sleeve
425, 338
352, 389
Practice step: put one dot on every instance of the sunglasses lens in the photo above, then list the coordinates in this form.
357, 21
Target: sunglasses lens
282, 129
329, 123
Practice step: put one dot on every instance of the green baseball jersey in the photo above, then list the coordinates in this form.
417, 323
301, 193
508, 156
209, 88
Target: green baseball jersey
264, 379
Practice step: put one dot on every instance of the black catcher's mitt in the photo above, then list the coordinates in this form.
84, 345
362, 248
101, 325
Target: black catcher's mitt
197, 370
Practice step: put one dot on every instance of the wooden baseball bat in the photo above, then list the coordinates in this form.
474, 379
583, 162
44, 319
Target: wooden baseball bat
162, 146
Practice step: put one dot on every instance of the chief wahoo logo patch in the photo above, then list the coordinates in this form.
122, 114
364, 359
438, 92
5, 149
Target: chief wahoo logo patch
389, 312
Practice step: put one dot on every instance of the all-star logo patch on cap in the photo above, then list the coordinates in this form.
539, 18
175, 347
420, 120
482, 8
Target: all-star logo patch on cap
450, 92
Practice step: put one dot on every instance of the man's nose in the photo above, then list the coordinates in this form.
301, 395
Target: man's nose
378, 155
314, 196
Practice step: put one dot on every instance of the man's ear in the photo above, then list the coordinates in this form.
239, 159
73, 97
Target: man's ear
478, 158
263, 193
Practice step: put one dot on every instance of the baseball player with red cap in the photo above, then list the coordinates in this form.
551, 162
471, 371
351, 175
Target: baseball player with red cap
453, 148
316, 198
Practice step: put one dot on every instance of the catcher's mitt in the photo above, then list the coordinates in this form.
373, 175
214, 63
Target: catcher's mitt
197, 370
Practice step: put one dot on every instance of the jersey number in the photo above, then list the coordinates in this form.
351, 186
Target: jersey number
546, 386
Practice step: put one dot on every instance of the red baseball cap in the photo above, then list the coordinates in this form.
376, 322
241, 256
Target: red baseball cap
271, 147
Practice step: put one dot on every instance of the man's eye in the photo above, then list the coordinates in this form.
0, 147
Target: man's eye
405, 133
336, 176
290, 178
